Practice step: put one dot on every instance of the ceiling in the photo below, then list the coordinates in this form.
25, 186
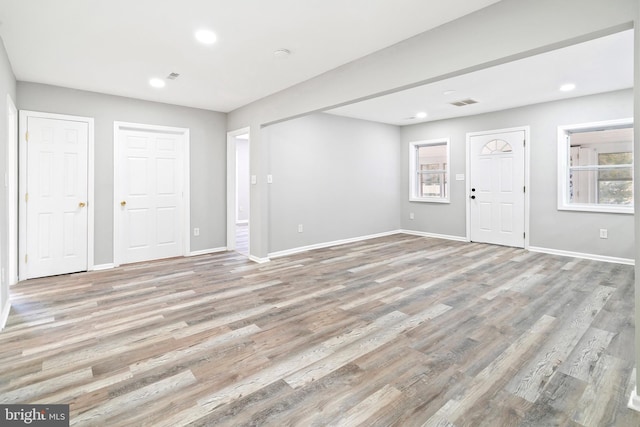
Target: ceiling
116, 46
596, 66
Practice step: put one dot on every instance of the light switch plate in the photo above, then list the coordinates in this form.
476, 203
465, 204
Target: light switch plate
254, 179
269, 179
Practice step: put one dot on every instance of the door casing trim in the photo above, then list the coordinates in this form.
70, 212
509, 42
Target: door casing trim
24, 115
527, 145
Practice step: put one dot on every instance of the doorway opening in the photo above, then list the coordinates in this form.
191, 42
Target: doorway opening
238, 191
12, 190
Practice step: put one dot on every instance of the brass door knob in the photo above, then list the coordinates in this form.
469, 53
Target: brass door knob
123, 203
82, 204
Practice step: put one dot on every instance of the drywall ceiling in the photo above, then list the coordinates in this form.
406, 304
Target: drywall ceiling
596, 66
116, 46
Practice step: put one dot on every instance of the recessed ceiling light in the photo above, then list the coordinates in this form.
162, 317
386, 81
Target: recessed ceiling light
281, 53
206, 36
421, 115
567, 87
449, 92
158, 83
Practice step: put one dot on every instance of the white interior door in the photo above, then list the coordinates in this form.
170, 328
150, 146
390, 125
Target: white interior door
497, 188
56, 196
151, 201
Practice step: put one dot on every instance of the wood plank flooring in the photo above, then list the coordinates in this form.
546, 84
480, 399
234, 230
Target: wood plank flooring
242, 239
400, 330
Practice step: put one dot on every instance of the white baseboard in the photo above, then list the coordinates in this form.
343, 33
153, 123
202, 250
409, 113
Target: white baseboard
207, 251
634, 400
434, 235
103, 267
259, 260
4, 315
592, 257
294, 251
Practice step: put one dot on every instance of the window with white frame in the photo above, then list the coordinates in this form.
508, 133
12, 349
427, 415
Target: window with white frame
429, 171
595, 168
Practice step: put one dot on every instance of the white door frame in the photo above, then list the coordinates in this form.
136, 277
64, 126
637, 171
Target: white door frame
11, 183
527, 131
231, 187
22, 184
186, 199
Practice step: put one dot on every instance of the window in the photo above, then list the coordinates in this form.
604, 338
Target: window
595, 168
429, 171
496, 146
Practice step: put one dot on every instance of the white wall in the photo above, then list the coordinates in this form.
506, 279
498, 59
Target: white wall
207, 150
636, 192
549, 228
336, 176
7, 87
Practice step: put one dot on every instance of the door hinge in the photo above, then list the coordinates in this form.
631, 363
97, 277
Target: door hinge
26, 136
26, 197
26, 258
524, 235
524, 189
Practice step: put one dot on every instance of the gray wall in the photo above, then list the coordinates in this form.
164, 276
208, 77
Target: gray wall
7, 87
208, 155
507, 30
549, 228
336, 176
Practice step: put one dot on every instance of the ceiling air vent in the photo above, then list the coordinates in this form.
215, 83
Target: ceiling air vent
464, 102
173, 76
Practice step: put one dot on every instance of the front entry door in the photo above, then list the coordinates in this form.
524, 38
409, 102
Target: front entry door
497, 188
151, 201
56, 196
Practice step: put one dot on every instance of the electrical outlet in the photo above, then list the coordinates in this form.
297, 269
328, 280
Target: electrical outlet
196, 231
411, 215
300, 229
603, 233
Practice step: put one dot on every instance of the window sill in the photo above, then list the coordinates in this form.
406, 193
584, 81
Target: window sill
428, 200
598, 209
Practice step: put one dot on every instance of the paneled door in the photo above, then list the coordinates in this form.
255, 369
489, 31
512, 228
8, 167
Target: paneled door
497, 188
55, 191
151, 199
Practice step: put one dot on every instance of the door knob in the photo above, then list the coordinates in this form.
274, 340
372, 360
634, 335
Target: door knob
473, 189
82, 204
473, 197
123, 203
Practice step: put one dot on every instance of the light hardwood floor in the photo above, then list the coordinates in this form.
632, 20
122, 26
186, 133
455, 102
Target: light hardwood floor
400, 330
242, 239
